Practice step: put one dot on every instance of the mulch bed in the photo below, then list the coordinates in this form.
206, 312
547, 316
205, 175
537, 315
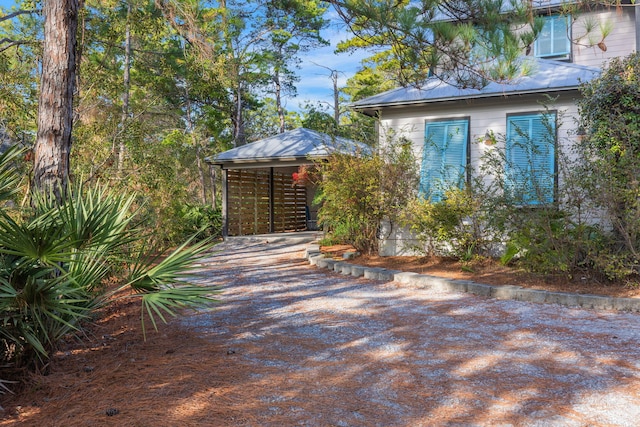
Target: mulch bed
491, 272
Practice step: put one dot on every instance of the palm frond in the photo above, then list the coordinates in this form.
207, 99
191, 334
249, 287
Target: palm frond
53, 262
39, 311
47, 245
145, 275
167, 301
165, 286
93, 218
9, 179
88, 269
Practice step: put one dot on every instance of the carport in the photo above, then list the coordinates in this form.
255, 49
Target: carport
259, 194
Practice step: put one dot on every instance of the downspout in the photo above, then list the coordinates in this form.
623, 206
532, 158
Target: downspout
637, 14
378, 117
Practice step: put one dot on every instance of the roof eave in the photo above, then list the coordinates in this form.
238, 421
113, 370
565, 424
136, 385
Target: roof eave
375, 107
262, 161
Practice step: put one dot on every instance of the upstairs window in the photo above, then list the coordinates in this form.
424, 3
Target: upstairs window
553, 41
530, 167
444, 158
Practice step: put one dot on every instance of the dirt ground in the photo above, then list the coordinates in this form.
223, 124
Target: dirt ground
294, 345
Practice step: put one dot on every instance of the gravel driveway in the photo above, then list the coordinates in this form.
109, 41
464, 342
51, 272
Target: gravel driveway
315, 348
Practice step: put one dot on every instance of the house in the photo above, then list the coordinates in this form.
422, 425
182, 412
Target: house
260, 192
445, 123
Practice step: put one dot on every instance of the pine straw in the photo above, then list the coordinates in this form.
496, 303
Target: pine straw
490, 271
172, 378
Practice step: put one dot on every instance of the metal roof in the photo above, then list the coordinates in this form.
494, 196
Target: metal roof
442, 13
294, 145
546, 76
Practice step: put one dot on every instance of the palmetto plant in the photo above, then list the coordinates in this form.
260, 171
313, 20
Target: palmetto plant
55, 259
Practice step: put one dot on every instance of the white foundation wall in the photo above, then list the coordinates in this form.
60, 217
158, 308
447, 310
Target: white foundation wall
483, 115
396, 241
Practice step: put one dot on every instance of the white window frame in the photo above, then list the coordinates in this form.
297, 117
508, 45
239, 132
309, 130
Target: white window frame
545, 45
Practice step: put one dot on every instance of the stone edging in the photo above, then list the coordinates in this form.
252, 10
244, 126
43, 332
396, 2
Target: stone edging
424, 281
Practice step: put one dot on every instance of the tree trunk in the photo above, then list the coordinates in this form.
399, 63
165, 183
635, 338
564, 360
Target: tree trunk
196, 145
336, 98
239, 136
80, 51
278, 90
203, 188
126, 94
55, 106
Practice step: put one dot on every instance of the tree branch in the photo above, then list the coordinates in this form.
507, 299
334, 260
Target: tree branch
7, 43
10, 44
18, 12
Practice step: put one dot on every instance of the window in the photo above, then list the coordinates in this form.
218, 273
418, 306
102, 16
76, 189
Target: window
488, 45
553, 41
444, 158
530, 158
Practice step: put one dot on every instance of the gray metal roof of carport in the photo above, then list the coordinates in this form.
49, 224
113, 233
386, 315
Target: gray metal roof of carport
293, 148
298, 146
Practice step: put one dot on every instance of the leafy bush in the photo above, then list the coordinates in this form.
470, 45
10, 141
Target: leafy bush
541, 227
349, 199
448, 227
203, 221
358, 191
610, 152
162, 169
589, 223
549, 240
599, 177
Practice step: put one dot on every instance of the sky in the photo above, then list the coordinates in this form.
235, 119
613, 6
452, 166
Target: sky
315, 85
315, 80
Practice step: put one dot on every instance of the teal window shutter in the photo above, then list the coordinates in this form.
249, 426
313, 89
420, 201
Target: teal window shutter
444, 157
553, 41
530, 158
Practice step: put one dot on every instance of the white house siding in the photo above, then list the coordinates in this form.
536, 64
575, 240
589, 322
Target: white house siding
483, 114
620, 42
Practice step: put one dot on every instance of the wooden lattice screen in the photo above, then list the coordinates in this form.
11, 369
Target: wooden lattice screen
249, 203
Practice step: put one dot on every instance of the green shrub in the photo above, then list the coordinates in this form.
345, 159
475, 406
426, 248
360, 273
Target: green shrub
357, 192
349, 199
203, 221
548, 240
453, 226
610, 152
591, 226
